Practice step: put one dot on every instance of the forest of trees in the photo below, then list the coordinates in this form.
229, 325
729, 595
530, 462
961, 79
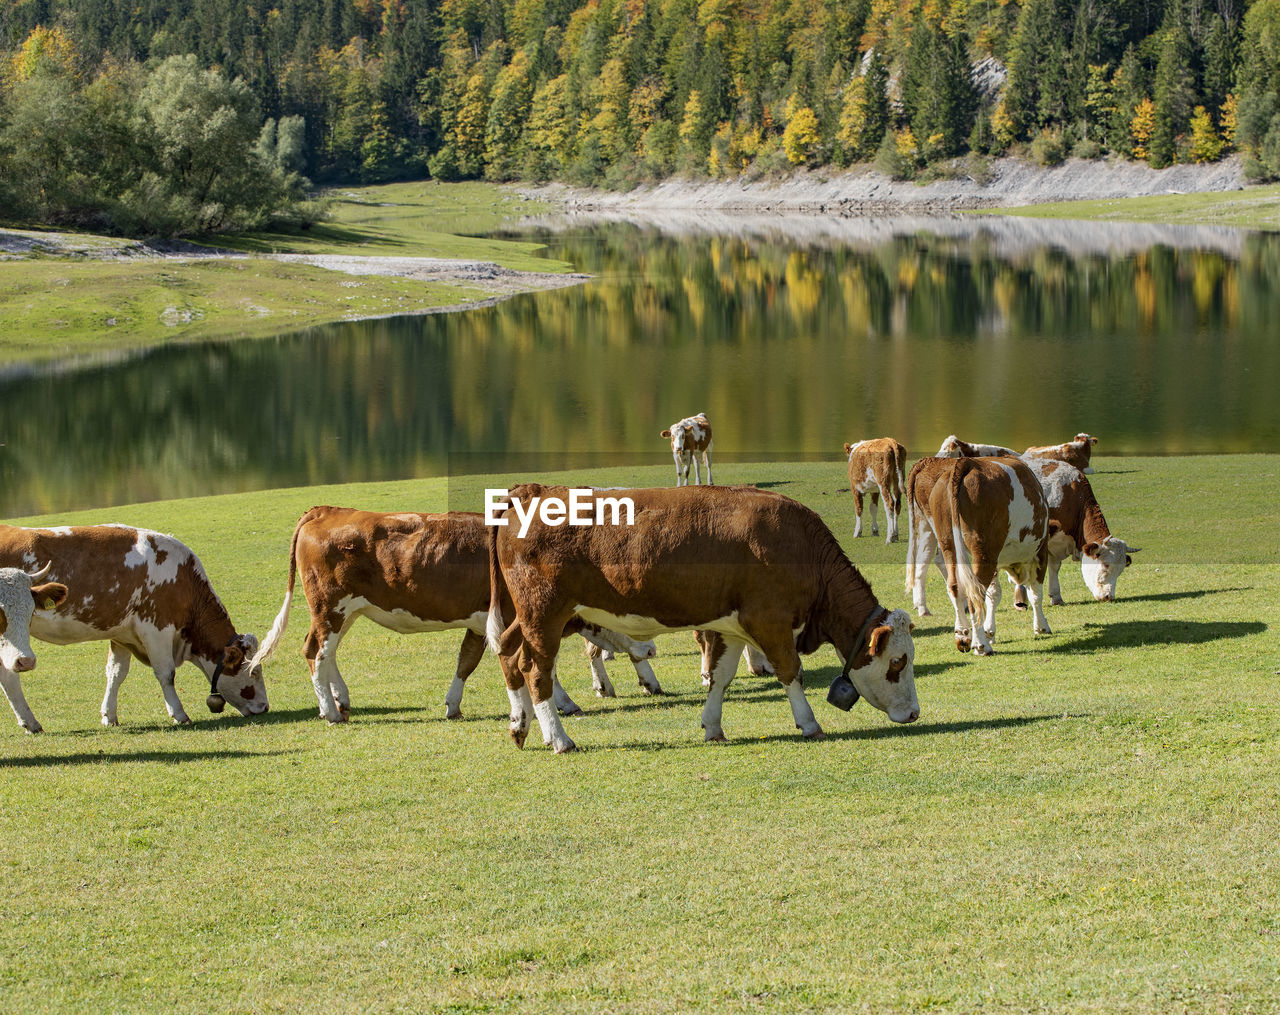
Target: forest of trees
161, 117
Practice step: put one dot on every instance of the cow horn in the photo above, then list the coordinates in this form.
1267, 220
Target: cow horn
41, 573
1133, 549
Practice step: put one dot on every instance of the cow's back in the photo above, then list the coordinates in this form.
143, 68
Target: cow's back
433, 566
879, 461
683, 545
118, 576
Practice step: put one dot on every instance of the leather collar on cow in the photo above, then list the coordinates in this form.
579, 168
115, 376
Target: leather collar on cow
216, 701
842, 693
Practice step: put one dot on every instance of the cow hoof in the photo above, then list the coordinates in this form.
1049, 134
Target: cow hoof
652, 692
991, 635
518, 737
1056, 601
963, 643
716, 738
979, 650
923, 611
1019, 606
37, 728
815, 735
1043, 630
109, 720
182, 720
454, 714
566, 747
602, 693
566, 712
344, 711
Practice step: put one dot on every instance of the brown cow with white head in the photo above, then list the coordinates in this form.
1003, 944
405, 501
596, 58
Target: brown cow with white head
20, 598
410, 573
148, 595
690, 438
1075, 453
878, 465
1079, 530
756, 567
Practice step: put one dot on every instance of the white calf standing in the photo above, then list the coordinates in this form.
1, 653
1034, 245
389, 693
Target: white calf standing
20, 597
690, 438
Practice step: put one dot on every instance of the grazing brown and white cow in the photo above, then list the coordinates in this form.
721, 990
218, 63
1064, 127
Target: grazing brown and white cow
409, 573
20, 598
878, 465
989, 514
1075, 453
1079, 530
148, 595
954, 447
690, 438
756, 567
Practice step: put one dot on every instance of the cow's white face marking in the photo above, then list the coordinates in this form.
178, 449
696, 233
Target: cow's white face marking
1101, 566
243, 686
16, 608
896, 659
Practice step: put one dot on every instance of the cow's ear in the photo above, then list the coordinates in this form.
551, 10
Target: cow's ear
1127, 560
666, 434
1092, 549
848, 448
233, 657
1093, 440
1054, 527
878, 640
49, 596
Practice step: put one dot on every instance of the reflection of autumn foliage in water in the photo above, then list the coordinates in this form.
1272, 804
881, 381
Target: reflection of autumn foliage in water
790, 347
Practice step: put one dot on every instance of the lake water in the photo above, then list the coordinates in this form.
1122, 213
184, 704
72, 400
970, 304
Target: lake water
794, 335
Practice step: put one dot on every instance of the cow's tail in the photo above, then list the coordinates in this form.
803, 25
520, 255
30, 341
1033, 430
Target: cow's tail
272, 639
900, 465
966, 578
495, 626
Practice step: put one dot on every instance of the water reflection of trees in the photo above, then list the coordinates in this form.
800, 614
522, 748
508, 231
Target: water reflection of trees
788, 348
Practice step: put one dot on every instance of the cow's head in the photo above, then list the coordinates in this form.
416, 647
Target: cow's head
20, 597
954, 447
1101, 565
883, 669
1084, 438
237, 680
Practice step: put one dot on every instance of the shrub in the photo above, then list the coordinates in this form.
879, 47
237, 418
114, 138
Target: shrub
1048, 148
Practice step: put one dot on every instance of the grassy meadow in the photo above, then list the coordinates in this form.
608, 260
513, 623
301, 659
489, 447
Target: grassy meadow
1085, 822
1251, 208
55, 306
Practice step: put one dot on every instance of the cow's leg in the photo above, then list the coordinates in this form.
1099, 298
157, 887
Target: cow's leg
993, 600
712, 645
697, 469
1055, 589
721, 676
564, 704
470, 652
926, 549
165, 672
875, 511
892, 507
1033, 577
706, 464
118, 658
758, 664
12, 687
600, 681
319, 649
979, 599
857, 512
682, 470
535, 660
645, 677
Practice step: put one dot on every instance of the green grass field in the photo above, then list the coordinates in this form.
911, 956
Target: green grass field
1251, 208
1086, 821
62, 306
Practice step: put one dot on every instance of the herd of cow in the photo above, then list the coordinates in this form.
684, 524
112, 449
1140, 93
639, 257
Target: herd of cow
752, 573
